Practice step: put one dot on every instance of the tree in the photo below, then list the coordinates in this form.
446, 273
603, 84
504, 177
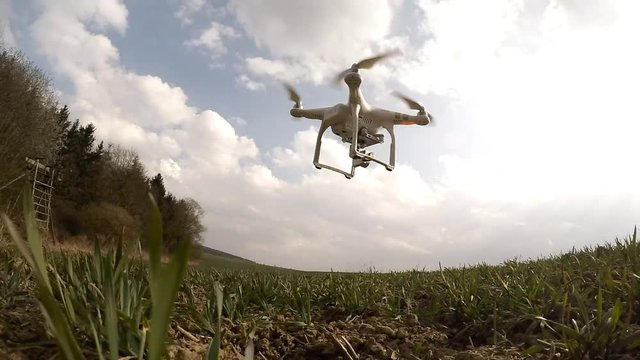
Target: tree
79, 164
27, 118
181, 218
157, 189
124, 182
181, 221
63, 124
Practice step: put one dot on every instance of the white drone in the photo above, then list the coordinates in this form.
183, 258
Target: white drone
358, 120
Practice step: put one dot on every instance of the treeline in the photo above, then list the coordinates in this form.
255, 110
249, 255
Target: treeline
100, 191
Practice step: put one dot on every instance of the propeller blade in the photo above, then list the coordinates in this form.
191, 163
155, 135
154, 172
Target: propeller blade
365, 64
414, 105
339, 77
368, 63
293, 94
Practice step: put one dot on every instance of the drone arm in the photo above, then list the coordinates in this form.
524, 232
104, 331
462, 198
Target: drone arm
308, 113
404, 119
383, 116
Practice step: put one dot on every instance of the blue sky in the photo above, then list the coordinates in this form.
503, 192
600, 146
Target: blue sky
534, 151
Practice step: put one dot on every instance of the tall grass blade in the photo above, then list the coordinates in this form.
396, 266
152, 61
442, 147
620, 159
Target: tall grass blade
249, 351
111, 313
213, 352
164, 283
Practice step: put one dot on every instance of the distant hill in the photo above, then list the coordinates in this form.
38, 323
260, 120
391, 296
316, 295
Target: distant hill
210, 251
212, 258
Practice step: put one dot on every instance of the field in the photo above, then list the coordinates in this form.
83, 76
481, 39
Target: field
579, 305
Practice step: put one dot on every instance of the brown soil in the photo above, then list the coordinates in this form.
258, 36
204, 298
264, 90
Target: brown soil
358, 338
23, 335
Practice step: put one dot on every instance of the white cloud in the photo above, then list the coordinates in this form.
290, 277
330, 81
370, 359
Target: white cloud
287, 28
212, 39
170, 168
317, 37
188, 8
249, 83
6, 35
545, 93
99, 14
261, 177
277, 69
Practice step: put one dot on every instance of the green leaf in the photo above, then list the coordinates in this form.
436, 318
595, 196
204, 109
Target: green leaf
615, 314
164, 284
534, 349
213, 352
154, 241
111, 313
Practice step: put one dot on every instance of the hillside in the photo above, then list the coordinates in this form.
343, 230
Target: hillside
211, 251
220, 260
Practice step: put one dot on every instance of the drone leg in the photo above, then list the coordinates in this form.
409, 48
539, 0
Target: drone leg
392, 149
355, 112
316, 155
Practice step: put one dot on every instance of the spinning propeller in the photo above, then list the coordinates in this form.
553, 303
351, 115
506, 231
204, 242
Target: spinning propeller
293, 95
364, 64
414, 105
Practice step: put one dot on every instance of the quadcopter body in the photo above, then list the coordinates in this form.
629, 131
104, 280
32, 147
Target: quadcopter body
357, 122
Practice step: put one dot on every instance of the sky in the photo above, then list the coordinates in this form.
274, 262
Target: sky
533, 149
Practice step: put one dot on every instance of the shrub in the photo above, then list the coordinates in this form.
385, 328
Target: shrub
110, 221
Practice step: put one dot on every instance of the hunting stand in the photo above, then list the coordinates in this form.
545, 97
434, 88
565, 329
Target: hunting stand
41, 179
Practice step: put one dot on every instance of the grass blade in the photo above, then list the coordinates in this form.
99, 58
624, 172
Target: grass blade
213, 352
164, 283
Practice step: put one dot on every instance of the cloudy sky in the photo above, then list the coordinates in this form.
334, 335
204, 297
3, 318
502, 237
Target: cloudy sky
534, 152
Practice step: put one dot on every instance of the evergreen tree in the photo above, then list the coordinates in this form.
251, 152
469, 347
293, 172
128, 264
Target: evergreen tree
79, 164
157, 189
63, 125
180, 217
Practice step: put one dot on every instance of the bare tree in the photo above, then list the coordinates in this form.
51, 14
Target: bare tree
28, 124
124, 181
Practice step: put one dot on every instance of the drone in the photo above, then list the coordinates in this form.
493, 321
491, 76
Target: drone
357, 122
